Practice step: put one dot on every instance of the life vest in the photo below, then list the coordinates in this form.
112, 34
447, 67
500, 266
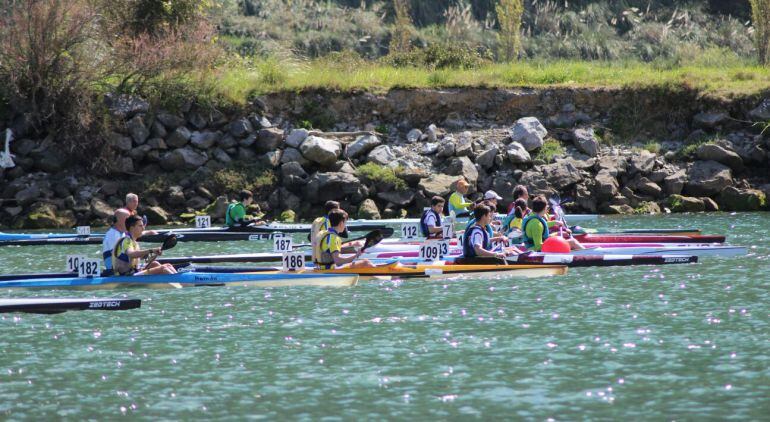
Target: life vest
323, 251
320, 224
121, 263
424, 226
468, 250
488, 227
229, 219
528, 242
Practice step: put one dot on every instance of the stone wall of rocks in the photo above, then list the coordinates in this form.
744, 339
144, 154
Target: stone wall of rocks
490, 137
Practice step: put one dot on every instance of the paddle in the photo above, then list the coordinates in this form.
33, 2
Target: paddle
372, 238
168, 243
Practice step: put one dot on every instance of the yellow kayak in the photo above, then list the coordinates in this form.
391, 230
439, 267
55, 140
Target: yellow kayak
441, 268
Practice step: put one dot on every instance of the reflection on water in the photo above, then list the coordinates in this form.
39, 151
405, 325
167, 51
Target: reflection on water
654, 343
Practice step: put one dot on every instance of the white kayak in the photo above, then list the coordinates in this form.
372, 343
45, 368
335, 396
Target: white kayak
411, 251
571, 218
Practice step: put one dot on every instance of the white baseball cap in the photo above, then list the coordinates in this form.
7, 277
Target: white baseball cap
490, 194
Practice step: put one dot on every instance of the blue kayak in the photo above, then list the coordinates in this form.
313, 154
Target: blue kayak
271, 278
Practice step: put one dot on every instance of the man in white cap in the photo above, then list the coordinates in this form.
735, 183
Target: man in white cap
492, 197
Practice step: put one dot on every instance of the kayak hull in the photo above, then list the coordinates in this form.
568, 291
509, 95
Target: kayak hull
441, 269
189, 279
59, 305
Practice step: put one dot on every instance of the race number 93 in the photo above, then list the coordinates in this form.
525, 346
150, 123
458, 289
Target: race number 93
293, 261
88, 267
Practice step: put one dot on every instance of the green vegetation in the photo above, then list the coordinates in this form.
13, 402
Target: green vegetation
234, 179
376, 173
551, 148
509, 14
652, 146
760, 15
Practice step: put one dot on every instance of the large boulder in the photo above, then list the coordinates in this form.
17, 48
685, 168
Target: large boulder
437, 184
487, 158
529, 132
138, 131
362, 146
156, 215
101, 209
368, 210
709, 120
616, 165
445, 149
28, 195
381, 155
269, 139
674, 183
536, 182
517, 154
721, 155
605, 185
183, 159
321, 150
45, 216
762, 112
204, 140
561, 175
336, 186
170, 121
293, 175
297, 137
734, 199
708, 178
679, 203
179, 137
400, 198
241, 128
647, 187
463, 166
642, 162
292, 155
585, 141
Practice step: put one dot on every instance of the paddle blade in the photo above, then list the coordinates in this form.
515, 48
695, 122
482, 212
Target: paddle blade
387, 231
372, 239
169, 242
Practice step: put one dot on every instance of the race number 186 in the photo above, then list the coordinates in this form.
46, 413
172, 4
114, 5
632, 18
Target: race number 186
293, 261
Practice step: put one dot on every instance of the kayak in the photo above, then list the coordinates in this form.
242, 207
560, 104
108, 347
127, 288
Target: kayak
570, 260
7, 237
443, 268
625, 249
59, 305
462, 220
268, 278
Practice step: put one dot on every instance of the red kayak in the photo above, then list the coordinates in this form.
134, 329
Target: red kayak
642, 238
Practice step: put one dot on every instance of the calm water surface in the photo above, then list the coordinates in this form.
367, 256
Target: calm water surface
674, 342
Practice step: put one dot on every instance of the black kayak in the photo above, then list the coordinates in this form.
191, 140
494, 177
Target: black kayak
59, 305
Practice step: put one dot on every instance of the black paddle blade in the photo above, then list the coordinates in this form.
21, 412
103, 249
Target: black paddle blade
387, 231
372, 239
169, 242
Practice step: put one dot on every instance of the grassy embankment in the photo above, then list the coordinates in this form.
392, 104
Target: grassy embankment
735, 79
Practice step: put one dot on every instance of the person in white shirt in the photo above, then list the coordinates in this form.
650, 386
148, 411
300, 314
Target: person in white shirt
113, 235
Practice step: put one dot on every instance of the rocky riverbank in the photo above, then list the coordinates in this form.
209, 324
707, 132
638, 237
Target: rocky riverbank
385, 155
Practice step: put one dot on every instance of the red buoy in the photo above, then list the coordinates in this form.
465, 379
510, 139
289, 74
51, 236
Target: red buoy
556, 244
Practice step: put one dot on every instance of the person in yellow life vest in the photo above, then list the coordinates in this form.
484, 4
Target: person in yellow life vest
535, 227
329, 248
457, 202
126, 255
513, 221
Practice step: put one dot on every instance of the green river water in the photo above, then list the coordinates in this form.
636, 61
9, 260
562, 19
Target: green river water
652, 343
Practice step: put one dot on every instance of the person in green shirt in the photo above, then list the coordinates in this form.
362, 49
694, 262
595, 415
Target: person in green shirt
236, 212
457, 202
535, 227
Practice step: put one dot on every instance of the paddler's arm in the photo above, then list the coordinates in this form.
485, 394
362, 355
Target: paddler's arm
457, 203
141, 253
340, 260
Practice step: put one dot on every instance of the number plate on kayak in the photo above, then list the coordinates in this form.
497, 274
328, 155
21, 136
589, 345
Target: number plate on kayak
410, 231
431, 251
84, 230
282, 244
202, 221
88, 267
293, 261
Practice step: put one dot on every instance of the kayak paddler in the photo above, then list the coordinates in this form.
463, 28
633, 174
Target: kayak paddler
126, 255
236, 211
430, 222
457, 202
519, 192
329, 248
132, 205
513, 221
534, 227
116, 232
490, 200
476, 241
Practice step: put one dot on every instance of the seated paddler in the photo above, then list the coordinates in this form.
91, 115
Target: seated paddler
477, 243
430, 222
127, 253
329, 249
535, 226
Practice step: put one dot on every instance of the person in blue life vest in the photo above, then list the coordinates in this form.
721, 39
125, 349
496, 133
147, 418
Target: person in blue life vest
430, 222
126, 255
476, 240
116, 232
329, 248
